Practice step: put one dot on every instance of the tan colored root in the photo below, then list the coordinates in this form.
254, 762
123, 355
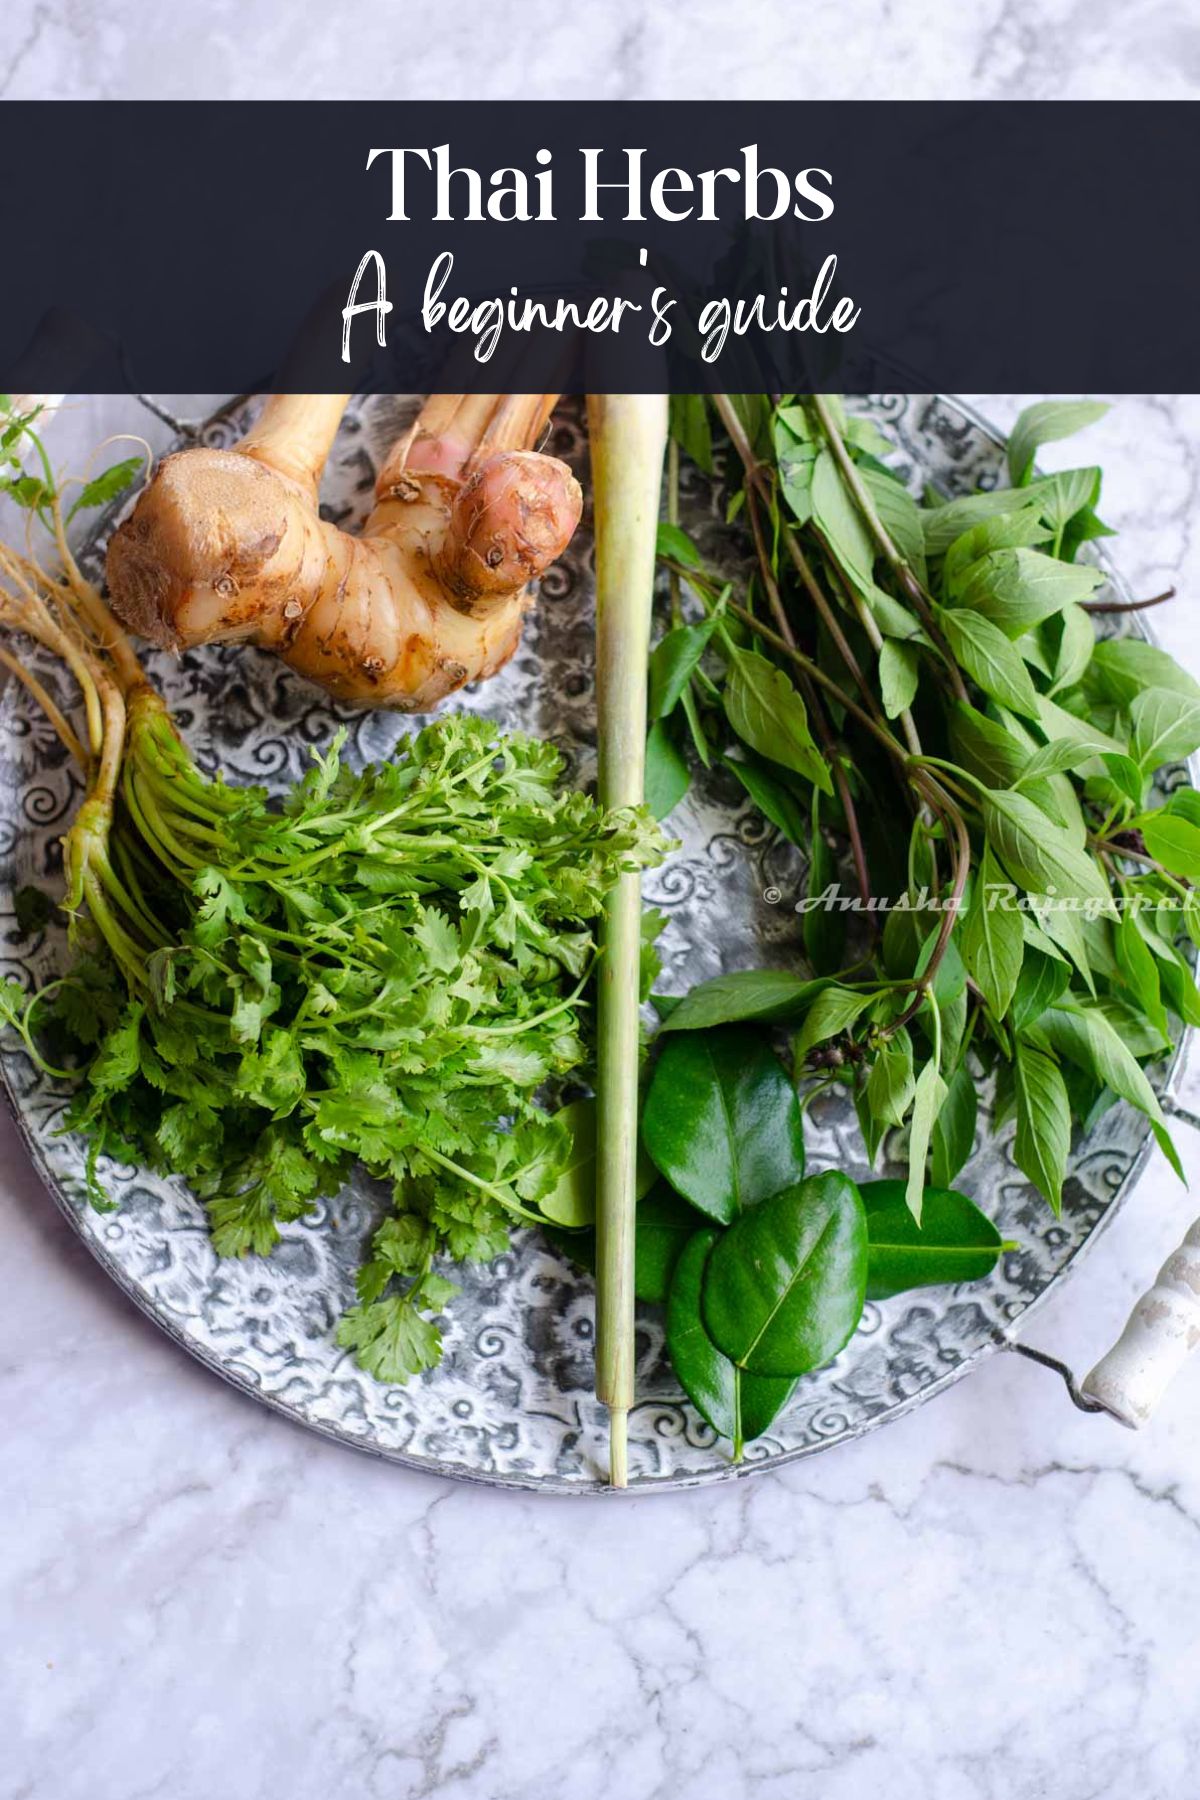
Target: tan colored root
229, 545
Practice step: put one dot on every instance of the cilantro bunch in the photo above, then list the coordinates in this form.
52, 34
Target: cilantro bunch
386, 971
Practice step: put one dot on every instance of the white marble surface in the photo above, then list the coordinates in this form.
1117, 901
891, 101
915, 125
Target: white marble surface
995, 1599
610, 49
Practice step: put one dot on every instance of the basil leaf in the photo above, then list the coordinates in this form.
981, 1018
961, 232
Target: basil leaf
993, 943
673, 542
900, 517
1059, 754
1136, 1032
1017, 589
1121, 667
772, 796
1126, 777
737, 1405
784, 1287
1166, 727
771, 996
1067, 493
839, 521
954, 1241
953, 1131
1185, 802
890, 1084
722, 1121
1075, 647
673, 662
1042, 979
1043, 1121
899, 669
984, 747
1039, 854
1008, 531
767, 713
1179, 988
1140, 971
950, 521
1172, 841
1045, 423
990, 660
928, 1099
833, 1011
667, 775
1085, 1036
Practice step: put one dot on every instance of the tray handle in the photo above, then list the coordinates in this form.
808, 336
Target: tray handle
1161, 1332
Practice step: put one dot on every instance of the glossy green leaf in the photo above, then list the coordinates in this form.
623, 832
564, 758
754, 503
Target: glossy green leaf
1127, 778
665, 1222
1061, 754
1005, 531
737, 1405
954, 1241
722, 1121
674, 542
691, 429
784, 1287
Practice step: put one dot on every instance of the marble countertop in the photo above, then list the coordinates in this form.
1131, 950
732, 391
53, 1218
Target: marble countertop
996, 1598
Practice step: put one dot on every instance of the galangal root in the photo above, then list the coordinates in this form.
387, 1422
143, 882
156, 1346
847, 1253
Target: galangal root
228, 545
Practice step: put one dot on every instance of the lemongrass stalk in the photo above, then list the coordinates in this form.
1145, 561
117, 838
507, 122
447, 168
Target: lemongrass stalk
628, 435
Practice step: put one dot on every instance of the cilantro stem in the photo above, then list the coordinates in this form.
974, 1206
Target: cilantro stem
499, 1195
